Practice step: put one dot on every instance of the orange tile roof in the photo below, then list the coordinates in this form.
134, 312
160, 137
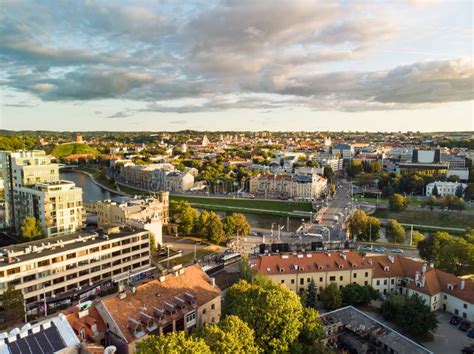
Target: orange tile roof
72, 316
309, 262
155, 293
436, 280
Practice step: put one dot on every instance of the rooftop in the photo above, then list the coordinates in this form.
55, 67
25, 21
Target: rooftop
363, 327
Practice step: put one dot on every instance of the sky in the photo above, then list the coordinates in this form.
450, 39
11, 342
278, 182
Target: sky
299, 65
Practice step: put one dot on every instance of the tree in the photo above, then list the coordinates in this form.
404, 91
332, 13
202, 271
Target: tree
31, 229
364, 227
175, 342
358, 295
397, 202
184, 215
278, 322
236, 224
153, 247
312, 332
312, 163
201, 224
13, 303
395, 232
373, 229
331, 297
410, 314
214, 229
416, 237
246, 272
311, 295
232, 335
328, 173
435, 191
354, 168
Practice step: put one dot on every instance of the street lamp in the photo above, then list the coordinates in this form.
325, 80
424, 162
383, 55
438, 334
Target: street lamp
168, 257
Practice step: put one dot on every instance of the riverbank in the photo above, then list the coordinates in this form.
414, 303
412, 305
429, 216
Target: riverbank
94, 175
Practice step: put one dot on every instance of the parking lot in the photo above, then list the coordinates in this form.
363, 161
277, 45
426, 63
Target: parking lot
448, 338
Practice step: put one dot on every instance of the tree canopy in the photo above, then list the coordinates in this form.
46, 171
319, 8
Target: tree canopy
363, 227
395, 232
398, 202
331, 297
13, 303
236, 224
174, 342
31, 229
358, 295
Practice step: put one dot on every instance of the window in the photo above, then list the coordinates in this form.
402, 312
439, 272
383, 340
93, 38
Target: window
366, 274
301, 281
204, 311
464, 315
292, 281
282, 281
213, 307
456, 311
321, 279
355, 275
392, 281
332, 278
378, 282
13, 271
385, 282
465, 306
341, 277
366, 283
308, 280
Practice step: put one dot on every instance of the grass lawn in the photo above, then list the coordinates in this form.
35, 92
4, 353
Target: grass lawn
98, 176
413, 201
264, 205
67, 149
424, 217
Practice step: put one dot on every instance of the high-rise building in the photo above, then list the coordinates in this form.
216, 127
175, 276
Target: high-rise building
33, 188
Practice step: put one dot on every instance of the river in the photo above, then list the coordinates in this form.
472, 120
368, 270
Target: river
92, 192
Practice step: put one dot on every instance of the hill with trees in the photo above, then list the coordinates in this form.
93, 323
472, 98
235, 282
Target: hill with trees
65, 150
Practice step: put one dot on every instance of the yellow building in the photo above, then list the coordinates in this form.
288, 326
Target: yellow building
298, 269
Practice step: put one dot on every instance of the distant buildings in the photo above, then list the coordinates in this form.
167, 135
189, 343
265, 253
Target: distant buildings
157, 177
345, 150
33, 188
299, 187
182, 301
142, 212
63, 269
444, 188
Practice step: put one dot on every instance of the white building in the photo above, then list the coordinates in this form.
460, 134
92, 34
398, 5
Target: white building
444, 188
33, 188
440, 290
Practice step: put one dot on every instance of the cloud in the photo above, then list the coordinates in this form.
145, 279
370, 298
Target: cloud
263, 55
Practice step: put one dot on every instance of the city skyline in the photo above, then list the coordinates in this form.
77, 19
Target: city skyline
285, 66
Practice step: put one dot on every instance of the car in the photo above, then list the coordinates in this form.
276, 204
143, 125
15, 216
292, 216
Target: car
470, 333
253, 233
366, 248
380, 249
455, 320
397, 250
465, 325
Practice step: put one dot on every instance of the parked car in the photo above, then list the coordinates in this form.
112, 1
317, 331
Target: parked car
397, 250
455, 320
380, 249
465, 325
366, 248
470, 333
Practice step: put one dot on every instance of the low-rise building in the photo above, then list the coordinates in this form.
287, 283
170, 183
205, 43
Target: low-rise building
440, 290
444, 188
182, 301
157, 177
140, 212
300, 187
64, 269
297, 270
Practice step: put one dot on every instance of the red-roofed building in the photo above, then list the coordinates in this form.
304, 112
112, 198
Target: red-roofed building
440, 290
181, 301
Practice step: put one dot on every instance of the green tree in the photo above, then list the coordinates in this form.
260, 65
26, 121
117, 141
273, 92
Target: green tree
358, 295
435, 191
354, 168
236, 224
416, 237
397, 202
311, 296
13, 303
331, 297
232, 335
201, 224
246, 272
373, 229
328, 173
175, 342
394, 231
278, 322
153, 247
312, 332
184, 215
364, 227
31, 229
214, 229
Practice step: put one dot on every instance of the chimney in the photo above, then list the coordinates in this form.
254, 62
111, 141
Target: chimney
213, 282
391, 259
463, 283
431, 265
417, 277
422, 280
423, 269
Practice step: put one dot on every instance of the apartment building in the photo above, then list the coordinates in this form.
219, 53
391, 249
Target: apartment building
64, 269
440, 290
181, 301
141, 212
298, 186
297, 270
33, 188
157, 177
346, 151
444, 188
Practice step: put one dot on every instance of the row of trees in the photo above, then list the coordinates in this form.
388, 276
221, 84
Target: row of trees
356, 167
207, 224
352, 294
449, 202
259, 317
409, 183
452, 254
